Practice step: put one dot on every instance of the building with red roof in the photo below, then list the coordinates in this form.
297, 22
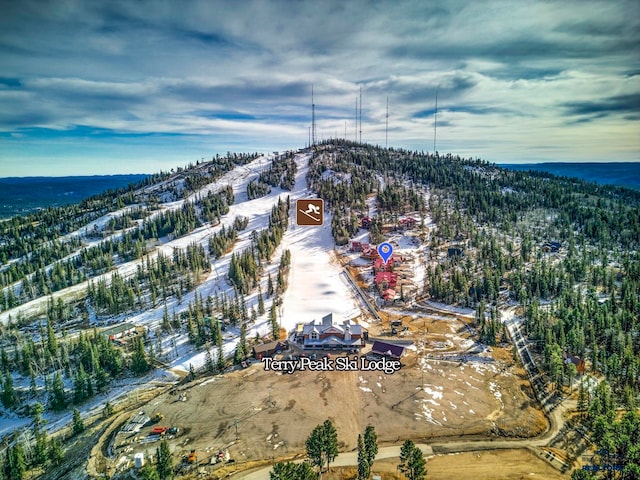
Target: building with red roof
386, 280
407, 223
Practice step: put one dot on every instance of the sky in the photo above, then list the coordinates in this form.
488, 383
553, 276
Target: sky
139, 86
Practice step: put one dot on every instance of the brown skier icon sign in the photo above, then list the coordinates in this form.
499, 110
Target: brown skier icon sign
310, 212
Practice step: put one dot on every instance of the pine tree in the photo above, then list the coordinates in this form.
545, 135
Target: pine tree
208, 362
101, 379
79, 385
33, 389
41, 447
370, 444
269, 286
221, 363
77, 423
242, 344
58, 398
292, 471
55, 452
261, 309
107, 411
412, 463
216, 333
363, 464
148, 472
36, 413
52, 344
166, 326
139, 363
164, 461
15, 465
9, 397
582, 398
315, 447
330, 436
273, 320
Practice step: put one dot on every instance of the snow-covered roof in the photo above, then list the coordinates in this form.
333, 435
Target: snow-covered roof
321, 327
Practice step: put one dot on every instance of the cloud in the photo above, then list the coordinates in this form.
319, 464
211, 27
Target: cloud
240, 73
626, 104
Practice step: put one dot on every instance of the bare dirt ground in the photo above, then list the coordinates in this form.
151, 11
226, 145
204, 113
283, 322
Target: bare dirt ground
516, 464
427, 399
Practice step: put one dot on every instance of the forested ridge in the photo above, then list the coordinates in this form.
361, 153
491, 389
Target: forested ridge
562, 252
581, 300
41, 350
38, 267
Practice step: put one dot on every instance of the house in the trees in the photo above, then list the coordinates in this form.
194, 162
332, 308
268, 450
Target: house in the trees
325, 334
577, 361
366, 222
389, 295
119, 332
407, 223
379, 264
269, 349
389, 350
386, 280
551, 247
369, 252
356, 246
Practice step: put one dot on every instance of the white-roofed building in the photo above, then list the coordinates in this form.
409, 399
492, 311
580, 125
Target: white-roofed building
325, 334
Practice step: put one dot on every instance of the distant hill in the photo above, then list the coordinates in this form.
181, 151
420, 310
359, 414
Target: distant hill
22, 195
620, 174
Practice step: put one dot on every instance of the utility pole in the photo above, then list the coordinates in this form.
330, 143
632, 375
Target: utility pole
356, 117
360, 113
435, 123
386, 131
313, 118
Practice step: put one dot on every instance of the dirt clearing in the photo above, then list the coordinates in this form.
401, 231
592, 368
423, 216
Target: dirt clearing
516, 464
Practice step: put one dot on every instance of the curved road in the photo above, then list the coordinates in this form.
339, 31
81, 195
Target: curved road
351, 458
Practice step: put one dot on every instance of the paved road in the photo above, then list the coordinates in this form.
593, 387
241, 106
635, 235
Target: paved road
343, 460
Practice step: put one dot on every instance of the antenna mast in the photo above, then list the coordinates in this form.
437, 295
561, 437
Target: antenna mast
360, 113
435, 123
313, 118
386, 131
356, 117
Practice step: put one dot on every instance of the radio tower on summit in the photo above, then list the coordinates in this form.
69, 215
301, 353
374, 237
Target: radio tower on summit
313, 119
435, 123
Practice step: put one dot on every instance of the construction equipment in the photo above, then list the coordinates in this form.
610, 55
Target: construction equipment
192, 458
158, 430
157, 417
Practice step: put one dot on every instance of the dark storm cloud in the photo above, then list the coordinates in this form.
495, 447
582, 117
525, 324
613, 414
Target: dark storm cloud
244, 91
10, 82
628, 104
